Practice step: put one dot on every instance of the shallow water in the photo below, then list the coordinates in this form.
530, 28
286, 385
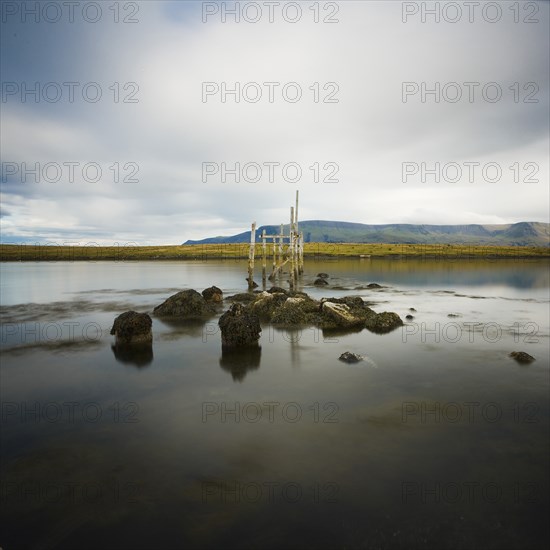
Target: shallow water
436, 440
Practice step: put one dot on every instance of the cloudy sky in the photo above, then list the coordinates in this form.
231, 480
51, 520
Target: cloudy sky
391, 113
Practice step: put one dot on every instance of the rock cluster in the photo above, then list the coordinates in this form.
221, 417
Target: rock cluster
292, 309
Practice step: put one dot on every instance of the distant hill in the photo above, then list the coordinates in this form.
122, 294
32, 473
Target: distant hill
516, 234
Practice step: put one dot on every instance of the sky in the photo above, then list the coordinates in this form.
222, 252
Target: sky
129, 121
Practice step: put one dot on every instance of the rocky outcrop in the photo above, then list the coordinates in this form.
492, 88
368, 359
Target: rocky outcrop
187, 304
295, 309
132, 328
239, 327
522, 357
213, 294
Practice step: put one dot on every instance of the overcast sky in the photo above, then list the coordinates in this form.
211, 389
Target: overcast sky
157, 122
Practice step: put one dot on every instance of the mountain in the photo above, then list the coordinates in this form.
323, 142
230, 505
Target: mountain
516, 234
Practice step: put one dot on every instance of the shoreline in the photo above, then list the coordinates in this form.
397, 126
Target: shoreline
239, 251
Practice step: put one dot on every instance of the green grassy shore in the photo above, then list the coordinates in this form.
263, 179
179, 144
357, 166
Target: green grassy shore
49, 253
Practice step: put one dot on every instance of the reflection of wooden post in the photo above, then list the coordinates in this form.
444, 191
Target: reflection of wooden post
264, 257
251, 257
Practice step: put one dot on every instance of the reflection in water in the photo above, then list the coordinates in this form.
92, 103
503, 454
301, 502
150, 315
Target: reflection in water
139, 355
190, 327
239, 361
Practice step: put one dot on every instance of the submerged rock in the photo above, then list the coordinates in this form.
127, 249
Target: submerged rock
187, 304
453, 315
412, 309
322, 275
409, 317
254, 283
320, 282
239, 327
522, 357
384, 322
374, 285
133, 328
349, 357
213, 294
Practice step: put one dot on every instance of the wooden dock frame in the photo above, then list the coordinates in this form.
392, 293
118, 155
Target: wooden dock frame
294, 252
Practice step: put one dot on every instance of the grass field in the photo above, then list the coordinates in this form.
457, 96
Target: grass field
233, 251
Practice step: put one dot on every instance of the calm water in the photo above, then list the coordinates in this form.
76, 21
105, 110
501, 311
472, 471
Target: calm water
436, 440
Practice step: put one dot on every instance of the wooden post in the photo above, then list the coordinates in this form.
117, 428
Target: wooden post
292, 251
251, 257
264, 258
301, 254
297, 245
274, 258
281, 239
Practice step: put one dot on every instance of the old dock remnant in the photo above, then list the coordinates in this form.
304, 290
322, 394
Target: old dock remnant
292, 253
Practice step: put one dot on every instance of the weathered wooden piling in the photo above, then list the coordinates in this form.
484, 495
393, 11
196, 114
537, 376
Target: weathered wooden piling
294, 254
264, 257
251, 256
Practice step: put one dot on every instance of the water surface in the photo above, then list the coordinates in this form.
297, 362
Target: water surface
436, 440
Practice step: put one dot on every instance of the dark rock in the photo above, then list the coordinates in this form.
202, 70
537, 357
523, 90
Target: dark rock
297, 311
187, 304
412, 309
242, 297
374, 285
266, 304
349, 357
133, 328
213, 294
277, 290
351, 301
453, 315
320, 282
384, 322
350, 311
254, 283
409, 317
322, 275
340, 315
522, 357
239, 327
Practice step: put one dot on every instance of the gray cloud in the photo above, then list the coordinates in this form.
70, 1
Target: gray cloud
369, 133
